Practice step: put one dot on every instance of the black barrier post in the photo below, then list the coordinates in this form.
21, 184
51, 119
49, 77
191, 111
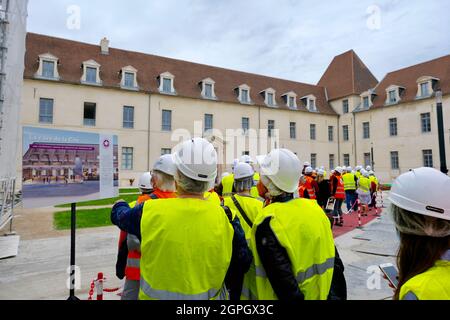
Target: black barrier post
73, 225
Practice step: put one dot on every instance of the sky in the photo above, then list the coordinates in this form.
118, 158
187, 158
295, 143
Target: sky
289, 39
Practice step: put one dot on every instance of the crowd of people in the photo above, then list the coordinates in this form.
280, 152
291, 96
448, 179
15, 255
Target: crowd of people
260, 232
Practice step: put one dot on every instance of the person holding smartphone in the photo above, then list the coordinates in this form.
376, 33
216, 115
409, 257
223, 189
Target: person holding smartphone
421, 212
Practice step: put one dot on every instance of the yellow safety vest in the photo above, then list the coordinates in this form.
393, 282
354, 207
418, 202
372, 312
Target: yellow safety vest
186, 250
213, 197
227, 184
358, 174
254, 190
433, 284
324, 174
364, 184
252, 208
349, 181
304, 231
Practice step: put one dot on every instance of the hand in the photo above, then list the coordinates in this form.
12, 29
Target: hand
389, 283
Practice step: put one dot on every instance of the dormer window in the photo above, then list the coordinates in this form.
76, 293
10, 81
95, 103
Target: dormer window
207, 86
243, 94
309, 102
290, 98
393, 94
367, 98
48, 67
91, 73
425, 86
129, 78
269, 97
166, 86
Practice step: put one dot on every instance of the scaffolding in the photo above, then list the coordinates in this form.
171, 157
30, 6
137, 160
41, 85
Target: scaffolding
13, 14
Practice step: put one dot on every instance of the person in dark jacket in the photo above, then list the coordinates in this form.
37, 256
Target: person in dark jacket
277, 248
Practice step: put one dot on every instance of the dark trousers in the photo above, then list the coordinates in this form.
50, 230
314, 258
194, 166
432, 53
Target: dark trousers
350, 199
337, 212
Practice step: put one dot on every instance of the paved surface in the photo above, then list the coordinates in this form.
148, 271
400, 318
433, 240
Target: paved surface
39, 270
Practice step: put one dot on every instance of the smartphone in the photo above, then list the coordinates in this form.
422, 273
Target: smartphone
391, 273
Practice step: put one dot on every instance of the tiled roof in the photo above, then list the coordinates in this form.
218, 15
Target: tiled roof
347, 75
72, 54
407, 78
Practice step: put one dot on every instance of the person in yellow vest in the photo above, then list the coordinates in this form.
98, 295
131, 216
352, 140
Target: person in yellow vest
225, 188
190, 247
324, 172
422, 219
364, 192
254, 190
350, 189
291, 241
358, 171
247, 208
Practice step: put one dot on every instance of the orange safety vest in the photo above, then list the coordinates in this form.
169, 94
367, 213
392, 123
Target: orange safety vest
340, 191
132, 270
309, 187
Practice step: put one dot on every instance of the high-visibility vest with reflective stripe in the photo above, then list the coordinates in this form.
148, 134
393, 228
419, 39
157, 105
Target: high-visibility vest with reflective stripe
304, 231
340, 192
252, 208
227, 184
309, 188
213, 197
433, 284
364, 184
186, 250
349, 181
254, 189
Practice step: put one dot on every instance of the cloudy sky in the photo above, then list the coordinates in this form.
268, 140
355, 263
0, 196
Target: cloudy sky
291, 39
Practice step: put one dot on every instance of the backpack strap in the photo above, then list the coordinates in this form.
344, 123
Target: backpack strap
244, 215
228, 213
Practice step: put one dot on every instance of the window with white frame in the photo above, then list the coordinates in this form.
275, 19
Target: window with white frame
48, 67
365, 102
312, 131
346, 159
394, 160
208, 88
45, 110
290, 99
293, 130
166, 120
313, 160
243, 94
269, 97
127, 158
209, 122
425, 120
166, 83
424, 92
345, 134
245, 124
270, 127
366, 130
310, 103
128, 117
129, 78
345, 106
91, 73
392, 96
393, 127
427, 158
330, 133
331, 161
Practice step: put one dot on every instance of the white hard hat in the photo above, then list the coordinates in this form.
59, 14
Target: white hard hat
145, 181
308, 170
320, 172
243, 170
339, 169
306, 164
358, 168
349, 169
368, 168
225, 174
246, 159
371, 173
196, 159
322, 168
411, 192
284, 169
234, 164
166, 165
365, 173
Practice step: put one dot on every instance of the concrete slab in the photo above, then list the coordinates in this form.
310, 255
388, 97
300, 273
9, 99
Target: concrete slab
9, 246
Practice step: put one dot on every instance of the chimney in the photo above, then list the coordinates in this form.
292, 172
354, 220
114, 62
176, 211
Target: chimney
104, 44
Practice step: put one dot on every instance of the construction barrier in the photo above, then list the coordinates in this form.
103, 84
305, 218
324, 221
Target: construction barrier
98, 285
